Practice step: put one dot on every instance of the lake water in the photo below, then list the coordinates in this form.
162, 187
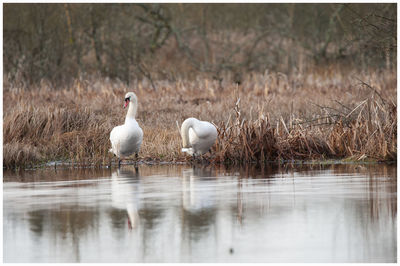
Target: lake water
180, 213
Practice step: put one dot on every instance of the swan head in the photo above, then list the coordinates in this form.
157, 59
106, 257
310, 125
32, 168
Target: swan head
130, 97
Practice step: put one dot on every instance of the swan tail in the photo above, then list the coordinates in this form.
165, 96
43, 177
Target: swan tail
188, 150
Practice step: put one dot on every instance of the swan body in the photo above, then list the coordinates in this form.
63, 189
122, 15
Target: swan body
127, 138
197, 136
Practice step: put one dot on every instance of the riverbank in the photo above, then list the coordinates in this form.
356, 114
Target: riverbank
320, 115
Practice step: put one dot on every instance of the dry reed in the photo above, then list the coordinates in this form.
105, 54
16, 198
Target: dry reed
326, 113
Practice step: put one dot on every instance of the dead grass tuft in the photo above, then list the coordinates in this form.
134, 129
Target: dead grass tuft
20, 154
369, 133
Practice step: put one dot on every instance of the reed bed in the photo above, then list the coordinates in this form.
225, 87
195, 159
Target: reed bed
323, 114
365, 136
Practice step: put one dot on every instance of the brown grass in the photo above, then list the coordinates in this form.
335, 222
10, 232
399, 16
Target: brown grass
327, 113
360, 138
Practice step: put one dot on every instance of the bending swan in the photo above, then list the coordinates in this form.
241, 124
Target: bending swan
197, 136
127, 138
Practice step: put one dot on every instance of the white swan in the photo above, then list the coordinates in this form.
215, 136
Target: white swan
197, 136
127, 138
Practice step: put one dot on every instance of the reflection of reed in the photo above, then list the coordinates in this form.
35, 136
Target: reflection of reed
64, 174
377, 210
239, 202
74, 222
157, 169
264, 171
381, 186
381, 195
51, 175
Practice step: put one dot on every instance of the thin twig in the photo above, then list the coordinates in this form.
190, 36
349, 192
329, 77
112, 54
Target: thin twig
177, 125
373, 89
147, 74
363, 102
327, 107
316, 119
348, 108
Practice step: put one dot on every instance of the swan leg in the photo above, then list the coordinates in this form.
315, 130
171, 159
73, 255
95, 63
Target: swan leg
119, 163
136, 160
129, 223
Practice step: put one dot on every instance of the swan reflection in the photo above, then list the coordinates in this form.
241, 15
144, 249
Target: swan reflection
196, 192
125, 193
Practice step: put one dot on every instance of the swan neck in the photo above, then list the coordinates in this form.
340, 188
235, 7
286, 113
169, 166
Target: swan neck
187, 124
131, 114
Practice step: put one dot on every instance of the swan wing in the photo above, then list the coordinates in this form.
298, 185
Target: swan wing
126, 139
202, 137
205, 130
135, 133
115, 139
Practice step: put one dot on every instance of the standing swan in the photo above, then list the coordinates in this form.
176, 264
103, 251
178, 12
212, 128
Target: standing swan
127, 138
197, 136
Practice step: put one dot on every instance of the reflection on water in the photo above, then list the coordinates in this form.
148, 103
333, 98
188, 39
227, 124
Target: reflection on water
337, 213
124, 194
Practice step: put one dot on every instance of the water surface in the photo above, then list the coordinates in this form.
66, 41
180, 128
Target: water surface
337, 213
